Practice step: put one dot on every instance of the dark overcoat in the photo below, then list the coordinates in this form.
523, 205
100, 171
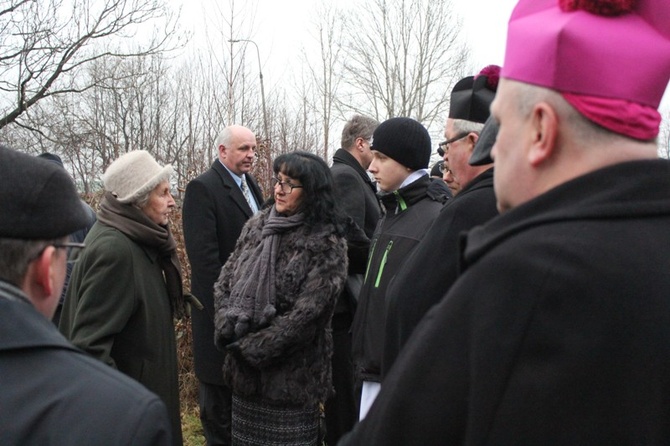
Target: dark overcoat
432, 267
356, 193
213, 214
557, 332
54, 393
288, 361
117, 309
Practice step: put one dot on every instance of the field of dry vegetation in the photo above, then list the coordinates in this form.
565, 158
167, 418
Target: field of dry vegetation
188, 384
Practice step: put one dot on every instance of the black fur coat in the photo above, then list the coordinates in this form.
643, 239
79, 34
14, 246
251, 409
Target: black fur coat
287, 362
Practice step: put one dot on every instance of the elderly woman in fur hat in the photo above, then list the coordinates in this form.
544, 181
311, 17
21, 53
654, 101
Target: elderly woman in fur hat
273, 306
126, 286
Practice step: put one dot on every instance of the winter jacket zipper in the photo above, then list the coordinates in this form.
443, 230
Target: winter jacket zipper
372, 253
382, 264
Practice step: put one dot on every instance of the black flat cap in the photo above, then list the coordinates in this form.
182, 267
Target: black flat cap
37, 198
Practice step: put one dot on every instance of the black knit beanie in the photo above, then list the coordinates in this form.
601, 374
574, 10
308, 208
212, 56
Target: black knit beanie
403, 140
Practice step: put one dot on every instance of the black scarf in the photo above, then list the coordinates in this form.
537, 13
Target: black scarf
139, 228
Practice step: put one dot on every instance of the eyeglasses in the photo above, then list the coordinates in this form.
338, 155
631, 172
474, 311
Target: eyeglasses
444, 169
285, 186
73, 250
444, 145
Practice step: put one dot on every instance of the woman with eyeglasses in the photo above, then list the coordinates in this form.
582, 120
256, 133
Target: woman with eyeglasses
273, 305
126, 286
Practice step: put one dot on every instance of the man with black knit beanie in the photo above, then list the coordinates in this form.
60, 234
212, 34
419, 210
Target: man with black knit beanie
401, 151
474, 203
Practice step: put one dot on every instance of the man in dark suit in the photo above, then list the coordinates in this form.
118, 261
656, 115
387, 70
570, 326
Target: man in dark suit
356, 194
52, 392
214, 211
355, 189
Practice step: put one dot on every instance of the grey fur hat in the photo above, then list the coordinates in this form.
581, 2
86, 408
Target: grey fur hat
133, 175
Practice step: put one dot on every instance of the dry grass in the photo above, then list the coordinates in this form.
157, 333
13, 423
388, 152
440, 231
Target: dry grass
191, 428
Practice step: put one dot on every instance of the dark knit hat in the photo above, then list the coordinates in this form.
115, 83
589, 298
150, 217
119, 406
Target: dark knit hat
471, 97
481, 154
37, 198
51, 157
404, 140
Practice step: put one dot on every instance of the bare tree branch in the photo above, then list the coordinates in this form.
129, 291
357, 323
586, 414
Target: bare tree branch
46, 44
404, 57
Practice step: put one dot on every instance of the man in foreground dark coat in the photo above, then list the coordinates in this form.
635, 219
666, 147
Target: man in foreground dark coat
558, 330
357, 196
52, 392
215, 209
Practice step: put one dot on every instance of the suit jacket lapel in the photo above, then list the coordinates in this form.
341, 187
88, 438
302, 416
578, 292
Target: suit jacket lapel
234, 190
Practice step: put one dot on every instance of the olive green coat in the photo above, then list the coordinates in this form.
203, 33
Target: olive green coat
117, 309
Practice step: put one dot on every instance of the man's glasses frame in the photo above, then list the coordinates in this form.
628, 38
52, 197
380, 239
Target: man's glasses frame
285, 186
444, 145
72, 249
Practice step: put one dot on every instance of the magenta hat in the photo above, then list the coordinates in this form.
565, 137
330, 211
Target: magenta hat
612, 49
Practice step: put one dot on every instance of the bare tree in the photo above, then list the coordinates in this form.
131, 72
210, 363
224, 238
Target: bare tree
328, 32
132, 106
664, 137
404, 58
47, 44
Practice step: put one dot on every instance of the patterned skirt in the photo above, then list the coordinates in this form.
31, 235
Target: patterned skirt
258, 423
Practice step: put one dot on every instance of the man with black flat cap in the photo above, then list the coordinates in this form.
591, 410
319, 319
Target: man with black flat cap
52, 392
474, 203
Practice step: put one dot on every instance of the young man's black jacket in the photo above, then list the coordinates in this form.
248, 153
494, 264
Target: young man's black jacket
410, 211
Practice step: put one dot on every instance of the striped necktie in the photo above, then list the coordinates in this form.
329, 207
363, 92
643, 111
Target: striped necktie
245, 192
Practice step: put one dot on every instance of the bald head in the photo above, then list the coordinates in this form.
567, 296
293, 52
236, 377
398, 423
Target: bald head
236, 146
544, 142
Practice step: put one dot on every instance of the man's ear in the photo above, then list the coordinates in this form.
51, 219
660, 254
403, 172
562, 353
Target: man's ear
359, 144
544, 125
40, 281
473, 137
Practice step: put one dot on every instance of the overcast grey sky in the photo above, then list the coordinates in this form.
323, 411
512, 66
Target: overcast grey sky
281, 31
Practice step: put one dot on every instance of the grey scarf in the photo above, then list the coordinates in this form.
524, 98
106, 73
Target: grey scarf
252, 298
